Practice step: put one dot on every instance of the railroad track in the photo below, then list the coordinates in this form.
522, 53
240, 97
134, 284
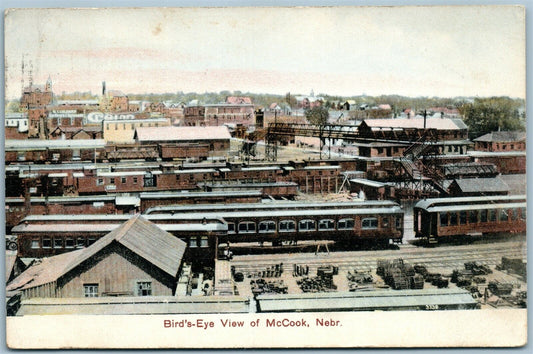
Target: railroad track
449, 257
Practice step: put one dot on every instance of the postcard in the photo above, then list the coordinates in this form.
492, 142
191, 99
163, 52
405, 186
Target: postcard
265, 177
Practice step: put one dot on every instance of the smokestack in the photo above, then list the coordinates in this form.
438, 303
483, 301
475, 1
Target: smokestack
103, 88
425, 115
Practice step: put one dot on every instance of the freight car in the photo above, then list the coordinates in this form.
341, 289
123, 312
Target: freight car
445, 217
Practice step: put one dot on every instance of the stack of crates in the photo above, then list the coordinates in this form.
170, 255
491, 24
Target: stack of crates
399, 275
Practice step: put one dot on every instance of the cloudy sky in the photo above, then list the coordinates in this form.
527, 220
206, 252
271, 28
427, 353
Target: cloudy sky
413, 51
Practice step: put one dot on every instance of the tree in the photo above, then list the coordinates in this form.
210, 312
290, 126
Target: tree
317, 115
486, 115
291, 100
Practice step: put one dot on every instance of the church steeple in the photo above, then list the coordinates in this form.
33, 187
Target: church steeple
48, 87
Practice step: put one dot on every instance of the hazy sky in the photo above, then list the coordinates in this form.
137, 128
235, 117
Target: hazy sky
413, 51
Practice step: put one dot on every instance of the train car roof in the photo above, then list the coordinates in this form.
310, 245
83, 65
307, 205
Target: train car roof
476, 207
280, 213
427, 203
162, 195
262, 206
104, 228
35, 144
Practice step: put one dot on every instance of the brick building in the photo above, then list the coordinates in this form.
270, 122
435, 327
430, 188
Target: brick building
501, 141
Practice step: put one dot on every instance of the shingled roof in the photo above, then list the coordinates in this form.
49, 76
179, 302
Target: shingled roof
139, 235
502, 137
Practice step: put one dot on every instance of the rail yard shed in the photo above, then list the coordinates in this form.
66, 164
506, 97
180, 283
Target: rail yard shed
379, 300
135, 259
218, 138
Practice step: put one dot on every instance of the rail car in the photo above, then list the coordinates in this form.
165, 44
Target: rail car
445, 217
366, 223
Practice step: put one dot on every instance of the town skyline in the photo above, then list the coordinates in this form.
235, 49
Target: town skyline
363, 51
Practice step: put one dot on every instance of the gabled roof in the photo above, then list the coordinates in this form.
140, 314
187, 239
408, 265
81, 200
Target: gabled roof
139, 235
238, 100
181, 133
481, 185
431, 123
502, 137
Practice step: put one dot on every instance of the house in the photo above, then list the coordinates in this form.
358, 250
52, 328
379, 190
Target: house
501, 141
135, 259
238, 100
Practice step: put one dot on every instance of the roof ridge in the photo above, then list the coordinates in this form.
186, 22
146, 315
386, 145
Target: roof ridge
126, 227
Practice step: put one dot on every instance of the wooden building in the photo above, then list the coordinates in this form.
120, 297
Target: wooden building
135, 259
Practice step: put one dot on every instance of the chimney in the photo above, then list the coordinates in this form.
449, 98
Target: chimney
425, 115
103, 88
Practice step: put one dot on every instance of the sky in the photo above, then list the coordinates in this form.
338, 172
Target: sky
346, 51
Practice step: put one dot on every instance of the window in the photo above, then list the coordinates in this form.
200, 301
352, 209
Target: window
503, 215
134, 180
123, 180
473, 217
58, 242
99, 181
231, 228
80, 242
399, 222
444, 218
267, 226
346, 224
326, 224
144, 288
492, 215
34, 243
90, 290
247, 227
287, 226
204, 242
462, 217
523, 213
369, 223
483, 215
91, 240
193, 242
385, 222
112, 180
47, 242
69, 242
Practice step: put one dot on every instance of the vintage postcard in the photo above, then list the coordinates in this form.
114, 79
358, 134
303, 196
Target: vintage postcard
252, 177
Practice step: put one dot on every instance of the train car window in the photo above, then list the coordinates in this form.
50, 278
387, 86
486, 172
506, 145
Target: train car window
204, 242
462, 217
444, 218
307, 225
492, 215
483, 215
287, 226
112, 180
326, 224
91, 240
99, 181
35, 243
514, 214
503, 215
385, 222
399, 222
473, 217
267, 226
123, 180
523, 213
453, 219
346, 224
47, 242
246, 227
193, 242
134, 180
231, 228
369, 223
69, 242
80, 242
58, 242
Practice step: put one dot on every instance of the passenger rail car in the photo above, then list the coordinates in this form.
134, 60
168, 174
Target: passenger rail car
444, 217
366, 224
